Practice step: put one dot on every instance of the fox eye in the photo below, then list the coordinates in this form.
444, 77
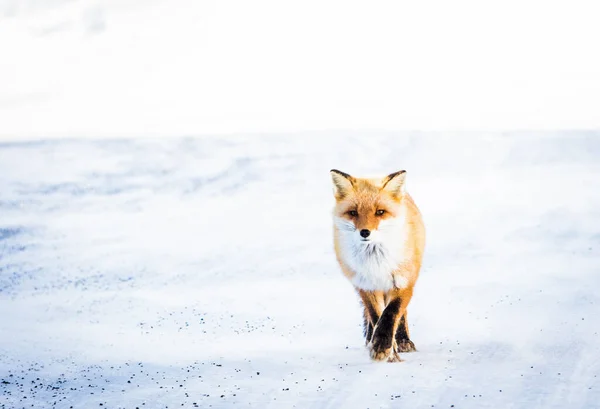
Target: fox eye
380, 212
353, 213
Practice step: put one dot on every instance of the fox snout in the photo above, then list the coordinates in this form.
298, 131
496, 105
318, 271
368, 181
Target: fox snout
368, 235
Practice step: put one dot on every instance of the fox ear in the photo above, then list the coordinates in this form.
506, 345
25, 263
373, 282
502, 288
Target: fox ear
342, 183
394, 183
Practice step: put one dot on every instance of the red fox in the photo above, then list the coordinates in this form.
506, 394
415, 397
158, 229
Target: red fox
379, 239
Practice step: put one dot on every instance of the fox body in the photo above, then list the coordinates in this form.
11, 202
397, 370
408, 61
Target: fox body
379, 239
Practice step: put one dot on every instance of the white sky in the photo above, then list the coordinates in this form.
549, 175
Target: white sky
133, 67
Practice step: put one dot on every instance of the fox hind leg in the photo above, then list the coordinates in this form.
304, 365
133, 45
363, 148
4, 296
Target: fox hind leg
403, 342
367, 327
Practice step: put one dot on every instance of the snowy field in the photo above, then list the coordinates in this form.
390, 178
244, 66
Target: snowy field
199, 272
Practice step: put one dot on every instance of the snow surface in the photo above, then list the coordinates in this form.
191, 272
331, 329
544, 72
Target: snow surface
199, 272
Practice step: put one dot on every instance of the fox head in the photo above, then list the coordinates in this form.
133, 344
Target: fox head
367, 209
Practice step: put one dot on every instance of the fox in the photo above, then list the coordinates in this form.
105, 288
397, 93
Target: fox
379, 240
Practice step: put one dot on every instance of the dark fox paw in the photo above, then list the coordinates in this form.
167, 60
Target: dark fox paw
380, 350
406, 345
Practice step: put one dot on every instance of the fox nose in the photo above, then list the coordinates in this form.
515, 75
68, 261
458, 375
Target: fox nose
365, 233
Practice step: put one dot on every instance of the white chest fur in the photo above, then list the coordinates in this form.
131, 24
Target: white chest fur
375, 262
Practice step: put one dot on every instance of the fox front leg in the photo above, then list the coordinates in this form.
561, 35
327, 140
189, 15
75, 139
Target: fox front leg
403, 342
384, 346
373, 302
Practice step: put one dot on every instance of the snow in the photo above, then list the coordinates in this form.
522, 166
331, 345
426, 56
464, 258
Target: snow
188, 272
91, 68
173, 271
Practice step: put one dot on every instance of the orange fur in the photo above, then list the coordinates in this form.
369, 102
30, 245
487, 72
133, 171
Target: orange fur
381, 206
